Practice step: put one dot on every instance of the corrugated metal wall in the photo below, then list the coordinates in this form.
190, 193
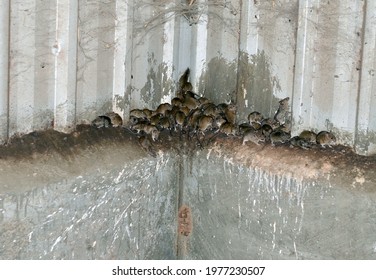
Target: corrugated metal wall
64, 62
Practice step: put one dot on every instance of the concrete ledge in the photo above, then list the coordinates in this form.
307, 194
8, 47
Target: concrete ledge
95, 194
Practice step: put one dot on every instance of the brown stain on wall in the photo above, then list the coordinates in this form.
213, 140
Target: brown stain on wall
185, 224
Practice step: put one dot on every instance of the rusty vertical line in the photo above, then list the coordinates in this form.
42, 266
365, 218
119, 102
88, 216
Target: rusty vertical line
9, 65
300, 64
239, 82
237, 85
294, 69
54, 125
294, 74
359, 89
131, 81
76, 62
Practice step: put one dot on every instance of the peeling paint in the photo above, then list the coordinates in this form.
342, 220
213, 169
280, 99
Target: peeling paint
120, 102
159, 87
365, 143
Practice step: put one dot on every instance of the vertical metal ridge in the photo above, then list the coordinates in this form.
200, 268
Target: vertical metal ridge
360, 74
238, 56
130, 75
8, 78
75, 121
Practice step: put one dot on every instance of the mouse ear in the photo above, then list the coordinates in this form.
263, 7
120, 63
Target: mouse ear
285, 100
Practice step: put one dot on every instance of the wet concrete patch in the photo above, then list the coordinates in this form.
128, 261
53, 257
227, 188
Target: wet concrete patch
257, 85
218, 82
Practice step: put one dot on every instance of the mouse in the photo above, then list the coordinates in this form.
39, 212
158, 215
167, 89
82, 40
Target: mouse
308, 135
255, 117
136, 115
162, 108
297, 141
184, 84
147, 145
254, 136
115, 118
228, 129
230, 113
101, 121
282, 113
325, 138
279, 137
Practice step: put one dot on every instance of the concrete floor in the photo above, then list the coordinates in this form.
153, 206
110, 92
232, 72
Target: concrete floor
95, 194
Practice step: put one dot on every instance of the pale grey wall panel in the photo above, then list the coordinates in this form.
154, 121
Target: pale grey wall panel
168, 55
44, 64
218, 81
267, 44
123, 56
366, 123
347, 43
198, 51
94, 58
4, 60
302, 99
22, 72
147, 60
65, 52
327, 71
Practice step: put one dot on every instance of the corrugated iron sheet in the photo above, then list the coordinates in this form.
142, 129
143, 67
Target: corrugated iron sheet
64, 62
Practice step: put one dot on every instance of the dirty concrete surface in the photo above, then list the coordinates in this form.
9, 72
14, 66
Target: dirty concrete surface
95, 194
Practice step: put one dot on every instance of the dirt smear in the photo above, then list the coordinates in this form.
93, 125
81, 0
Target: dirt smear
51, 155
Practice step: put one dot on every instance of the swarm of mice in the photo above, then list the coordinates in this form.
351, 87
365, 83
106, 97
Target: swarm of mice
197, 117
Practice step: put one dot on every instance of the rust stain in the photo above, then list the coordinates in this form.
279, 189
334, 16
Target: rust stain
185, 220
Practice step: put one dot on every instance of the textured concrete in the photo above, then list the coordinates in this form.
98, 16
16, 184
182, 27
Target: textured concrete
104, 202
247, 213
104, 198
